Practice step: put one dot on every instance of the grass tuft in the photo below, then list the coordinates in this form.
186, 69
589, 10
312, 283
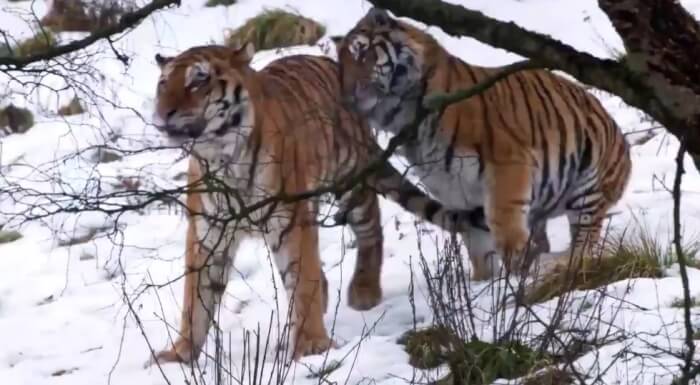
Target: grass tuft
637, 256
7, 236
429, 348
550, 376
216, 3
72, 108
474, 362
40, 42
274, 29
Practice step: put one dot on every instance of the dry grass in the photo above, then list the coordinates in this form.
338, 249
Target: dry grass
274, 29
72, 108
83, 16
640, 255
42, 41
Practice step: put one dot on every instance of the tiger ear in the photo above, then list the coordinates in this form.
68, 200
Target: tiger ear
379, 16
245, 52
162, 60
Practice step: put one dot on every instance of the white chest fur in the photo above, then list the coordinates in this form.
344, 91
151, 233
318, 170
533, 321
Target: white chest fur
452, 176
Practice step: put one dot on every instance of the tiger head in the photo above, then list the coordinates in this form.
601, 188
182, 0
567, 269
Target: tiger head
203, 96
382, 57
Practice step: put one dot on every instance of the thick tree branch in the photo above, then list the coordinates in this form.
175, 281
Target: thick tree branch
662, 41
127, 21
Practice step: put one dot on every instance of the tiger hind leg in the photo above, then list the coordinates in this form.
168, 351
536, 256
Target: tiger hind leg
362, 214
586, 216
482, 251
297, 257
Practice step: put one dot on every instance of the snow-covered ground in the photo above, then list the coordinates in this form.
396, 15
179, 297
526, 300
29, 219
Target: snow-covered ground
63, 317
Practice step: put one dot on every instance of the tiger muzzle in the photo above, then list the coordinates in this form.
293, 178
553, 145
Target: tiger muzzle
191, 130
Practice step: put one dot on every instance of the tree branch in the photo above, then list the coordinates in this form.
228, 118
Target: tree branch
127, 21
439, 101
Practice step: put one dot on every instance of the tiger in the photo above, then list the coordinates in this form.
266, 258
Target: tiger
534, 146
252, 136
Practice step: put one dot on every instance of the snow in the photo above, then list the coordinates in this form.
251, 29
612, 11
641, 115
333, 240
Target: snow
63, 316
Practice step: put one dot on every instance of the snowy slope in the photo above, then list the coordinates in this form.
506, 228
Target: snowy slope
63, 318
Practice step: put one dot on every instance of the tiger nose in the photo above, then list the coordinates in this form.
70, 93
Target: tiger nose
191, 130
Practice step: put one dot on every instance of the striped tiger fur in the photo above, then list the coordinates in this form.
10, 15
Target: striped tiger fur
532, 147
280, 130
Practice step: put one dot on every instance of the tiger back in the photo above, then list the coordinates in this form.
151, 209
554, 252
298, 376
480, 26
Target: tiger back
531, 147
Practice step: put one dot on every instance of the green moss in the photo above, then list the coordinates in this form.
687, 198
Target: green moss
216, 3
276, 28
429, 348
7, 236
680, 302
36, 44
475, 362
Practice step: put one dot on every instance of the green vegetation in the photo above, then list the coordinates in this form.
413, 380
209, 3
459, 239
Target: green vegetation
474, 362
38, 43
7, 236
216, 3
276, 28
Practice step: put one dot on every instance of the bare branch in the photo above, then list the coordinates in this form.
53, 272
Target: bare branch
127, 21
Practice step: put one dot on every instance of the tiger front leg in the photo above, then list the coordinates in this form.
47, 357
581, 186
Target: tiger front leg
296, 252
507, 205
364, 218
208, 263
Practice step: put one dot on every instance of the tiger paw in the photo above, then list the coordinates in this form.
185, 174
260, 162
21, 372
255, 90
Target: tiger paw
364, 293
182, 352
306, 346
511, 244
483, 267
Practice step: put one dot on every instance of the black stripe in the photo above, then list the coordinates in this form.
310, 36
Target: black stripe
449, 154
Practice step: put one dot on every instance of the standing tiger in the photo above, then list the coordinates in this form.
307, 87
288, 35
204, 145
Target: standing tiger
257, 135
532, 147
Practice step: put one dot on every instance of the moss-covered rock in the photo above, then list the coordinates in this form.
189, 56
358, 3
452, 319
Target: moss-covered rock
276, 29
